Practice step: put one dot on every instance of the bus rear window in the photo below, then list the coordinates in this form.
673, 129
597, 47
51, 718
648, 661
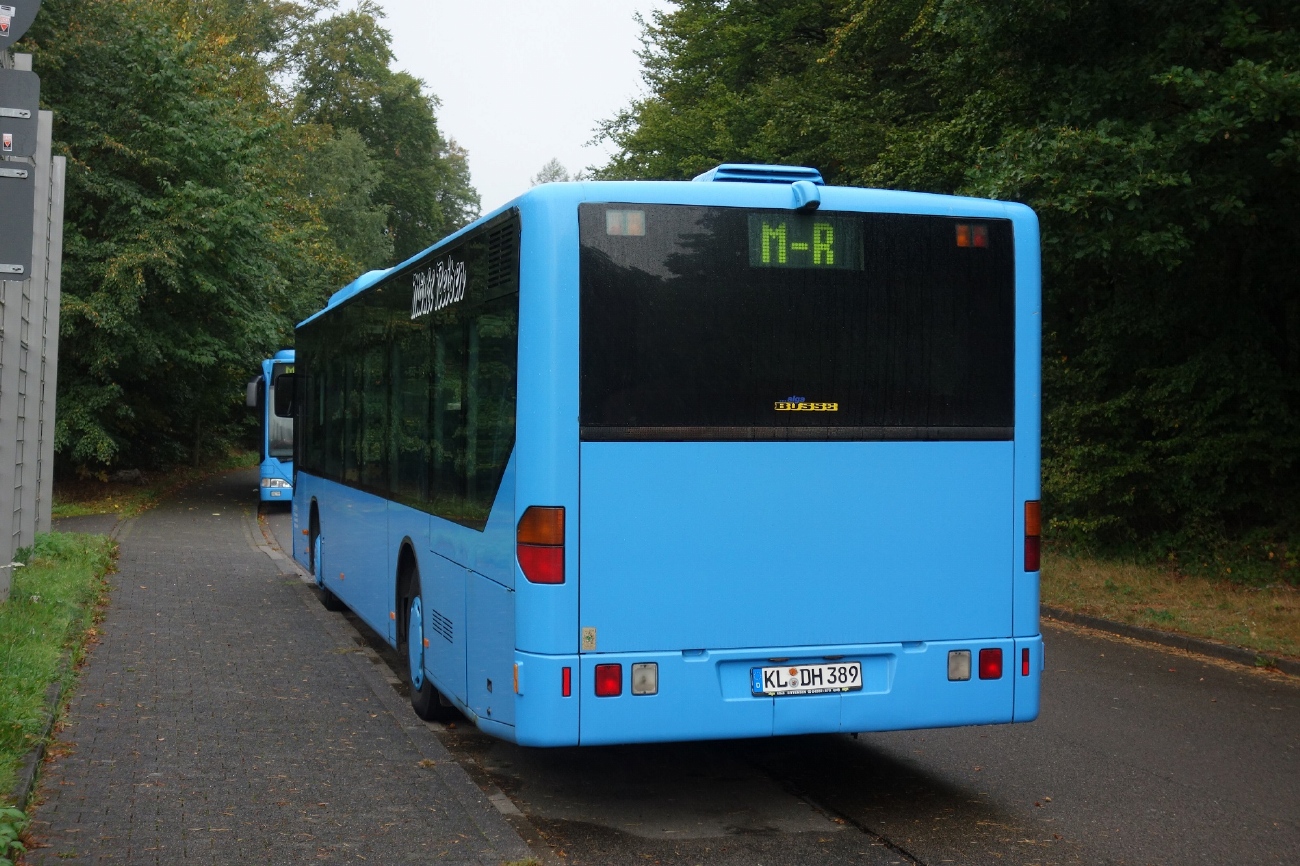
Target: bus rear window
734, 324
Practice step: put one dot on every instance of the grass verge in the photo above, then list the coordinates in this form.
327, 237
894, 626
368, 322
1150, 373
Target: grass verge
1265, 619
131, 495
50, 617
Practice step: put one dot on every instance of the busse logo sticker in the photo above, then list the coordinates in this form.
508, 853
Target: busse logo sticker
799, 404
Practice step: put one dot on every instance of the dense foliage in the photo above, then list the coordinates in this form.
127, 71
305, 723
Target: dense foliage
212, 201
1159, 142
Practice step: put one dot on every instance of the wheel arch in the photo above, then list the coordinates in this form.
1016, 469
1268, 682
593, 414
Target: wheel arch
408, 567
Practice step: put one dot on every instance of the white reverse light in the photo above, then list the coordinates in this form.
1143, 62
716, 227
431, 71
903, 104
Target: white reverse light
959, 665
645, 678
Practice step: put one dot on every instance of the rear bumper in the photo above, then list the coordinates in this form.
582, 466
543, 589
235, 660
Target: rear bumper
706, 694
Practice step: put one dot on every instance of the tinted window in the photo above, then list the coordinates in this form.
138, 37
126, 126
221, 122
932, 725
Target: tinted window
411, 385
725, 323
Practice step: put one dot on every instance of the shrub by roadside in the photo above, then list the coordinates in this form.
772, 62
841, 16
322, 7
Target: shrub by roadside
1263, 618
127, 494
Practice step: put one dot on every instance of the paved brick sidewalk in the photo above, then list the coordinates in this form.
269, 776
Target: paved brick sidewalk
226, 718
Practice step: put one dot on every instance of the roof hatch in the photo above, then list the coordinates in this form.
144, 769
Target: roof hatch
733, 172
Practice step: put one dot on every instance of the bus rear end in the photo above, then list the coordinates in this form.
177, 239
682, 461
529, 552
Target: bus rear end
808, 443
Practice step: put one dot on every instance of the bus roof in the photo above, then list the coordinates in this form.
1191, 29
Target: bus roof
727, 185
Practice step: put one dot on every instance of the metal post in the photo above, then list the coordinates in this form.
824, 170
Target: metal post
51, 297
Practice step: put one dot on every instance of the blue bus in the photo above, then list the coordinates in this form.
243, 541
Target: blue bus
644, 461
275, 431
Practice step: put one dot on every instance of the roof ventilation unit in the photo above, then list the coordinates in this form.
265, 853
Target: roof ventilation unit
732, 172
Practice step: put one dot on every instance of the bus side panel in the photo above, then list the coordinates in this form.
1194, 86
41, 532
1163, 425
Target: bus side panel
1029, 322
493, 552
546, 443
490, 653
443, 587
351, 521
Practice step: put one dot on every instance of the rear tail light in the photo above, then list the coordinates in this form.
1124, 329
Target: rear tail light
972, 235
1033, 531
539, 544
1024, 662
609, 681
991, 664
566, 682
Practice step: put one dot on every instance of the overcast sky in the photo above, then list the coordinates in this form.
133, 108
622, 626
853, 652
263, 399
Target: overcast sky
521, 81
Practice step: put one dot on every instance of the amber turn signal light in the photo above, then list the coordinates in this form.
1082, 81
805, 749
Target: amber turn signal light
1033, 531
539, 544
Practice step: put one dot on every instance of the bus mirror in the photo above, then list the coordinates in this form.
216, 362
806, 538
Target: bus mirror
253, 393
286, 386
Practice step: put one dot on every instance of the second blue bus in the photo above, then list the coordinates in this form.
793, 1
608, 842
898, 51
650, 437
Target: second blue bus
275, 432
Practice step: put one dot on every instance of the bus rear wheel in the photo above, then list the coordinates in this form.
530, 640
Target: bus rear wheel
330, 601
427, 702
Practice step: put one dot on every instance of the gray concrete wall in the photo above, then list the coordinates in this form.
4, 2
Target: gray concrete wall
29, 341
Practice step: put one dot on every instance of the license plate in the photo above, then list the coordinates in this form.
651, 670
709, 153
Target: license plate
806, 679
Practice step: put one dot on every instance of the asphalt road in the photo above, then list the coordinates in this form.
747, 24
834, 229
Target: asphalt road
1141, 756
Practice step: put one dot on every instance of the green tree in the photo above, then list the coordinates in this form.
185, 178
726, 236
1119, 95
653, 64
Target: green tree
345, 82
340, 178
186, 256
1159, 142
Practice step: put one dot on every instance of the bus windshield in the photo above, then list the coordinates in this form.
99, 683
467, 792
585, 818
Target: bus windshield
279, 432
708, 323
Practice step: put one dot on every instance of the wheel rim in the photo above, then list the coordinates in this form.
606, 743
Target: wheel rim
415, 644
315, 561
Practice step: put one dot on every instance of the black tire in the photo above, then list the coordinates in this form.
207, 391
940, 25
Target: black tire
427, 702
329, 600
313, 534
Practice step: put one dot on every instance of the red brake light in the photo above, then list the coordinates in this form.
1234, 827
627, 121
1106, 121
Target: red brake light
609, 681
541, 564
566, 681
1033, 531
991, 664
539, 544
1024, 662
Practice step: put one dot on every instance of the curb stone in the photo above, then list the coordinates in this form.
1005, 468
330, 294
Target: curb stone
1195, 645
30, 768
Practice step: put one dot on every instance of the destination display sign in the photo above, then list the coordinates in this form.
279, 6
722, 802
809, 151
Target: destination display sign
787, 240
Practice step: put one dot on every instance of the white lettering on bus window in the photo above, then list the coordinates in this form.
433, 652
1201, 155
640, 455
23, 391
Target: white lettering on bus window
437, 287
